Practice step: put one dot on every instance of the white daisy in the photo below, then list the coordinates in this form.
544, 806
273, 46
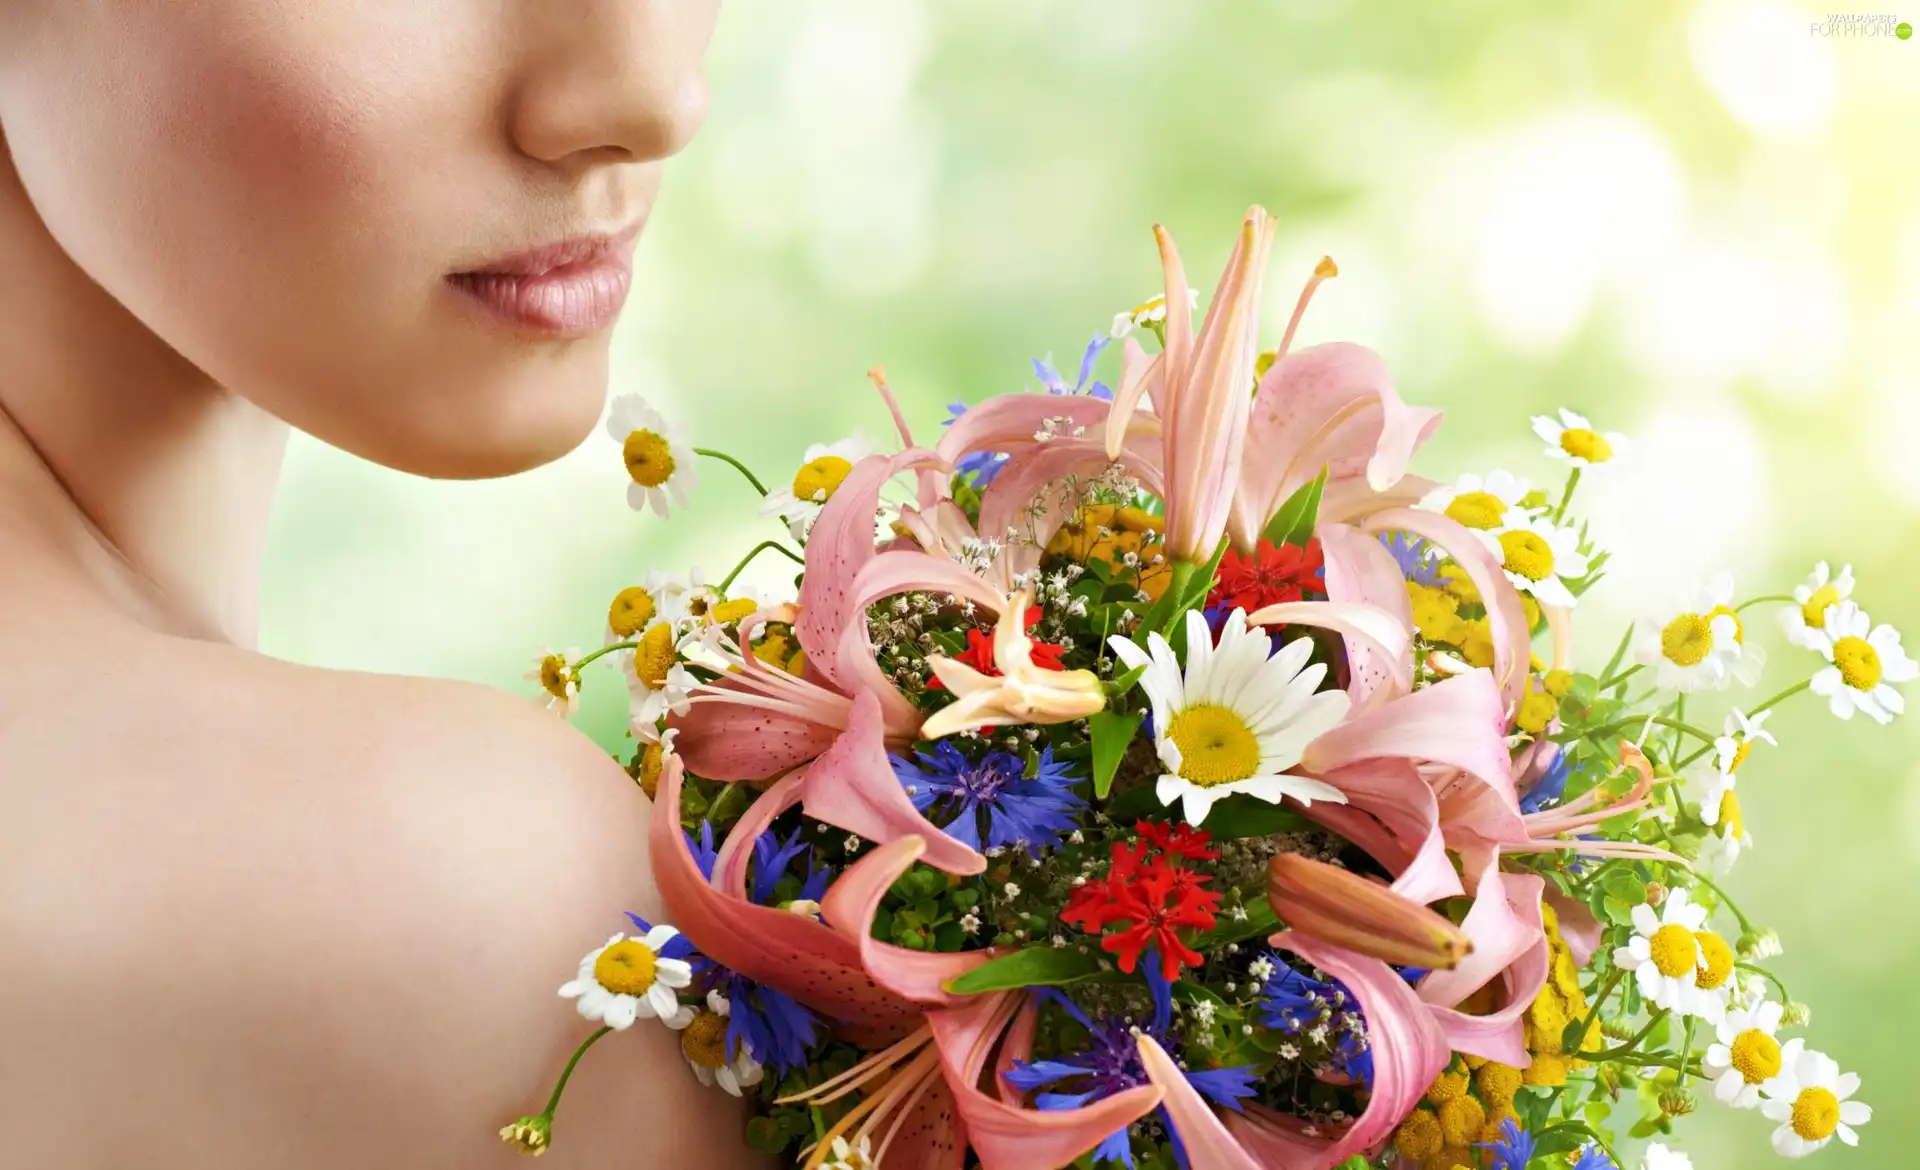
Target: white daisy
1147, 312
704, 1043
1811, 1101
634, 979
1741, 732
821, 472
1659, 1157
1665, 956
841, 1156
1489, 504
1722, 847
1746, 1056
1572, 438
1804, 620
1710, 787
559, 682
658, 681
1239, 716
659, 597
1698, 643
1539, 558
1865, 658
658, 459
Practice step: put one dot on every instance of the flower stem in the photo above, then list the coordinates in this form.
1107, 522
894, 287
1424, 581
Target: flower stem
1599, 1001
1573, 481
1778, 699
1703, 879
763, 546
723, 457
1620, 680
560, 1087
1627, 1048
1746, 605
1619, 652
1766, 974
602, 651
1643, 720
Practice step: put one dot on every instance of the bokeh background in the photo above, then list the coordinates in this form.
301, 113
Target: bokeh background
1699, 223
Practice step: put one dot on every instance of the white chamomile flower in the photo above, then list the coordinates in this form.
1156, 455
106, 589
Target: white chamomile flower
659, 597
559, 682
1721, 847
658, 681
841, 1156
634, 979
1147, 312
1811, 1099
821, 472
1659, 1157
1711, 787
658, 459
1804, 620
704, 1043
1489, 504
1666, 957
1865, 658
1740, 733
1539, 558
1746, 1055
1237, 718
1572, 438
1698, 643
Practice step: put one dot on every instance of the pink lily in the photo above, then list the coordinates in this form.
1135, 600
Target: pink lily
1199, 384
1021, 693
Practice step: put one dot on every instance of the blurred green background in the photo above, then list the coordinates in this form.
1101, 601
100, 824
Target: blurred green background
1698, 223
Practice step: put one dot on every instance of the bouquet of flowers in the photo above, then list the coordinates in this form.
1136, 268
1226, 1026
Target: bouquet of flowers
1162, 775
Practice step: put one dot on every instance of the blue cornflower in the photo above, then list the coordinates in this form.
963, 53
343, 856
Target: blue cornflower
992, 801
1592, 1157
1294, 1003
776, 1029
1415, 556
1050, 377
1110, 1064
1514, 1149
1551, 785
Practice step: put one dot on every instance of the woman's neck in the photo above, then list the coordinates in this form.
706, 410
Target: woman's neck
125, 472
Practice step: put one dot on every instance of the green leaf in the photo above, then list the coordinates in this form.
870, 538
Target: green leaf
1137, 804
1042, 966
1240, 816
1293, 523
1112, 732
1260, 922
1121, 684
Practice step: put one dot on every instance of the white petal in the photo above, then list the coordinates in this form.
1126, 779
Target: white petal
1855, 1112
621, 1012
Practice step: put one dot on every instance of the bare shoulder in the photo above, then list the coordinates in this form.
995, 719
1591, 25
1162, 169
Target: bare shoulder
265, 915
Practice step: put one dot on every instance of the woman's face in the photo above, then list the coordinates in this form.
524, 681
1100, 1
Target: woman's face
346, 209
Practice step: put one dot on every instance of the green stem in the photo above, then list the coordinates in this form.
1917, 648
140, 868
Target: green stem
1619, 652
1599, 1001
723, 807
603, 651
1627, 1048
763, 546
1686, 1053
1566, 497
553, 1102
1656, 720
1778, 699
1746, 605
1766, 974
1620, 680
723, 457
1708, 882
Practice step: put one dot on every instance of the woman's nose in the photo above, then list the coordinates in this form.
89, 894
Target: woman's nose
611, 80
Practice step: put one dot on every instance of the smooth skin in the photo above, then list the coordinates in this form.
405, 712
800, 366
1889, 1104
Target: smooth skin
255, 914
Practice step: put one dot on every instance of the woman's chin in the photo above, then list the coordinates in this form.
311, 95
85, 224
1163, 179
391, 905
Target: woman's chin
473, 433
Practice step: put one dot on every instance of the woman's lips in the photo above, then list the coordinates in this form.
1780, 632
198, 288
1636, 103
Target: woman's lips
562, 292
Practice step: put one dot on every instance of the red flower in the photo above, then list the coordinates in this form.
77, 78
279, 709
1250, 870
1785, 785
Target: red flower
1273, 574
1153, 900
979, 653
1181, 840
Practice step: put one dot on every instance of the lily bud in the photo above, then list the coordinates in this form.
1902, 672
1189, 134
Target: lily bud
1362, 915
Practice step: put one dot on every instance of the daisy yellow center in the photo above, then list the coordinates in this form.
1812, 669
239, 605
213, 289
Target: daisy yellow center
1814, 612
1730, 815
1739, 627
649, 458
1585, 444
1674, 950
655, 656
1528, 554
819, 479
1816, 1114
1716, 960
626, 968
1216, 745
704, 1042
1859, 663
632, 608
555, 679
1687, 639
652, 760
1756, 1055
1477, 510
728, 612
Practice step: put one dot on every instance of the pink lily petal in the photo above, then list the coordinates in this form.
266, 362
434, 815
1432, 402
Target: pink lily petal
789, 952
730, 866
1140, 376
1010, 422
1501, 1034
1408, 1047
1512, 656
721, 741
852, 785
1274, 1140
1329, 406
1008, 505
1499, 932
1208, 1144
920, 976
1459, 721
1361, 571
1008, 1137
1579, 929
1392, 793
1349, 499
1382, 640
929, 1135
1016, 1047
